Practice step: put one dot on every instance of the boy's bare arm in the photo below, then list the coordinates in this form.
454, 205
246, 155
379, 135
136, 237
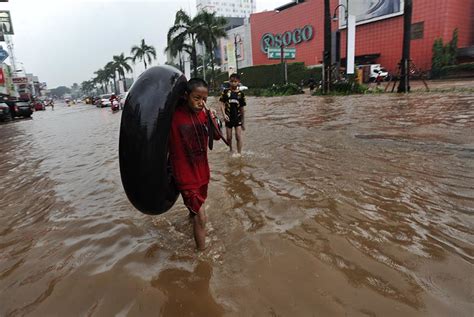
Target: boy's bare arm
222, 106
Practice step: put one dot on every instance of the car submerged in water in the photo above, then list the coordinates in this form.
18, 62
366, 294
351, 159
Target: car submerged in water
104, 100
5, 114
20, 109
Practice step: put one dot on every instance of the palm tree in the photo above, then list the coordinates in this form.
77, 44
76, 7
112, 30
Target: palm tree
176, 46
143, 52
211, 29
101, 79
87, 86
122, 66
111, 71
185, 31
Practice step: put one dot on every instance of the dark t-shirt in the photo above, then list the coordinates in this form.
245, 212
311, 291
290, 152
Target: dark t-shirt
188, 148
233, 101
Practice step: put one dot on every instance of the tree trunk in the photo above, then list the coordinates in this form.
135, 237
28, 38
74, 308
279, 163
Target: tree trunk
115, 83
144, 62
194, 57
124, 83
180, 66
212, 68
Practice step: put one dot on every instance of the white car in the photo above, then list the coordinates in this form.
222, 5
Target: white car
104, 100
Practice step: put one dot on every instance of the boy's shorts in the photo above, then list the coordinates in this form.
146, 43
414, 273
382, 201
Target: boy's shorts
194, 198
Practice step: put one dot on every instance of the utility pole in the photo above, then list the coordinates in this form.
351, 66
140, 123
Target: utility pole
327, 47
405, 62
283, 64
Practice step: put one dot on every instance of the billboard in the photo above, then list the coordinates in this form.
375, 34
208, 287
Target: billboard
20, 80
367, 11
6, 22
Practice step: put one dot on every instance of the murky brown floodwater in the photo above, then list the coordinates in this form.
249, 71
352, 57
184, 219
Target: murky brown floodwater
350, 205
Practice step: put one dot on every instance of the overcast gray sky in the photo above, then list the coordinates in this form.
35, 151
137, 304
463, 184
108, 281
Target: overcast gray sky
65, 41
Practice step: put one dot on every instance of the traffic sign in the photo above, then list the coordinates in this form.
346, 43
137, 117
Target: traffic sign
275, 53
3, 55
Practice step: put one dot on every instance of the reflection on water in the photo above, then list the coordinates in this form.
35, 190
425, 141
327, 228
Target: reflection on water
340, 205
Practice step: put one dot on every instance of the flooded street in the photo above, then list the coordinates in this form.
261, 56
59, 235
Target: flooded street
359, 205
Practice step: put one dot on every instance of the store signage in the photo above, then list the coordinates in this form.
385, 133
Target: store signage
287, 38
3, 55
20, 80
6, 22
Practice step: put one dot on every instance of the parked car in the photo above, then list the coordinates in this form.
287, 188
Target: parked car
38, 106
226, 85
20, 109
104, 100
5, 114
377, 71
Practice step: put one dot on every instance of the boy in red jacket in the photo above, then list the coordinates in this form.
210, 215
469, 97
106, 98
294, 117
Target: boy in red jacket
189, 137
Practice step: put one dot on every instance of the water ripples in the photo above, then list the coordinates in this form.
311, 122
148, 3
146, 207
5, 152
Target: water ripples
356, 205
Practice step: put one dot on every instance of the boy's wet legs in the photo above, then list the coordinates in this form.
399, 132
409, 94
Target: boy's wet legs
228, 132
199, 229
238, 137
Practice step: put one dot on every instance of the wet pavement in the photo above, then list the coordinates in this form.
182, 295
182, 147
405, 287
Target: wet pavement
360, 205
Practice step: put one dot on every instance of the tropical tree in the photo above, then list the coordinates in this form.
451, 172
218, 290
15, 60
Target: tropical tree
60, 91
211, 29
122, 67
176, 47
143, 52
102, 79
87, 87
111, 73
185, 31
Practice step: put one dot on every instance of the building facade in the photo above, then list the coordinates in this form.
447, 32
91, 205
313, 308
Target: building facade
379, 30
239, 44
228, 8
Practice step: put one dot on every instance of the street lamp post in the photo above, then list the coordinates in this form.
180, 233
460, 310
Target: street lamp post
346, 17
236, 36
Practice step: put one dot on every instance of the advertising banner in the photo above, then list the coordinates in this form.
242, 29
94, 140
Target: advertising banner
6, 22
20, 80
351, 44
231, 62
367, 11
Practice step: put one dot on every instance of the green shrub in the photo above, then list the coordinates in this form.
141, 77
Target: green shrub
345, 88
283, 90
466, 67
443, 55
265, 76
257, 92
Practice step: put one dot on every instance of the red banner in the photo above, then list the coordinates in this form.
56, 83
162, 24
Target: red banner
2, 77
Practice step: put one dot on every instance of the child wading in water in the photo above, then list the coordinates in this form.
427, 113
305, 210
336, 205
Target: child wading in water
189, 137
232, 107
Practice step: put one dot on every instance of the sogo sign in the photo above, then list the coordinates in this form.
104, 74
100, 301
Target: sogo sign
288, 38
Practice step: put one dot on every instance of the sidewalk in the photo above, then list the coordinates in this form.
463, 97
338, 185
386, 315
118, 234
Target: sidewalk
439, 84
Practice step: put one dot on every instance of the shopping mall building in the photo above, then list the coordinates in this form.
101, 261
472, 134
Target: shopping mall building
379, 30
